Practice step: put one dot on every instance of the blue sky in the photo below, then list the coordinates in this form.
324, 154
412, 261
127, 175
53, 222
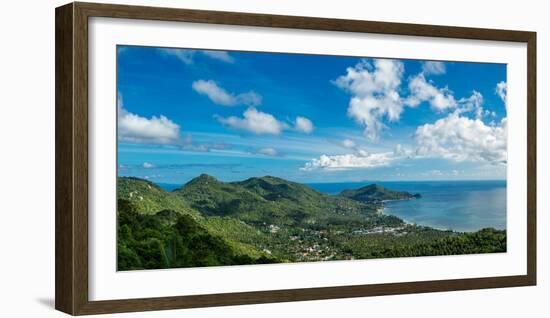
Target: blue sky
307, 118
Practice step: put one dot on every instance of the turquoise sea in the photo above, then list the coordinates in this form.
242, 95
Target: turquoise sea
458, 205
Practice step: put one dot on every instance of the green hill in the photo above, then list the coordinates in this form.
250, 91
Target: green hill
277, 189
149, 198
377, 193
215, 198
168, 239
269, 200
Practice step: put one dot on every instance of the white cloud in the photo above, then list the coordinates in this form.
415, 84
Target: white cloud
219, 55
374, 89
473, 104
249, 99
148, 165
502, 91
258, 122
348, 143
463, 139
303, 125
187, 55
422, 90
220, 96
217, 94
360, 160
255, 122
401, 151
433, 67
268, 152
137, 129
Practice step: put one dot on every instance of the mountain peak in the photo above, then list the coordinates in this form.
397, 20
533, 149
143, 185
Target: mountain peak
201, 180
204, 178
373, 186
137, 181
268, 179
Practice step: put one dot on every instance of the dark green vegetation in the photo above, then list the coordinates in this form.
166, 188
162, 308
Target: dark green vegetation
169, 239
207, 222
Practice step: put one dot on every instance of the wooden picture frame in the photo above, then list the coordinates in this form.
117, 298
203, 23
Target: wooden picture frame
71, 90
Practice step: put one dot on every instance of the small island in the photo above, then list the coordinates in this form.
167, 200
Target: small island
376, 193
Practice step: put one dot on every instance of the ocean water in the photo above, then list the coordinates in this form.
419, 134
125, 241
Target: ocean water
458, 205
169, 186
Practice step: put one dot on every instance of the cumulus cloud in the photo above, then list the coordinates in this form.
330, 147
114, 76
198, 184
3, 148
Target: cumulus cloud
220, 96
502, 90
374, 89
187, 55
259, 123
463, 139
268, 151
303, 124
133, 128
216, 94
148, 165
473, 104
359, 160
422, 90
433, 68
255, 122
137, 129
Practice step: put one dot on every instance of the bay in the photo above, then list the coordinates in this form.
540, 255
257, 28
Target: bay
464, 206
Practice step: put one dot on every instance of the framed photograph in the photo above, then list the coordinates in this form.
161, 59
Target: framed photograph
211, 158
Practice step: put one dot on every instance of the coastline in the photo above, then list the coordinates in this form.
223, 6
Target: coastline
382, 210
